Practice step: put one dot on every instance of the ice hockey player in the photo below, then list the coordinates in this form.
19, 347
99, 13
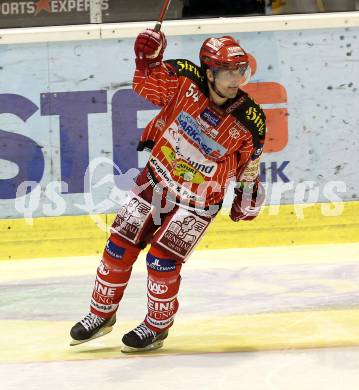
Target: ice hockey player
208, 132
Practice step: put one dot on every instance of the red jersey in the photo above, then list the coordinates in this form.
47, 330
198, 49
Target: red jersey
196, 146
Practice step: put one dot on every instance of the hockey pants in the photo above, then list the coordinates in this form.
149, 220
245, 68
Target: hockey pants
171, 243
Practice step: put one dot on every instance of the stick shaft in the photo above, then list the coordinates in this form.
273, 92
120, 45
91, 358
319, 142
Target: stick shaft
164, 8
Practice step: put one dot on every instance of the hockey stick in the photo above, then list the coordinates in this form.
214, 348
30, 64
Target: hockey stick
165, 6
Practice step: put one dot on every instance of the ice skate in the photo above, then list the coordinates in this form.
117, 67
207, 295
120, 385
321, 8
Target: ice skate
142, 339
91, 327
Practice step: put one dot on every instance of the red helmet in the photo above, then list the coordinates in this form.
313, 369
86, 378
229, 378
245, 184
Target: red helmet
223, 53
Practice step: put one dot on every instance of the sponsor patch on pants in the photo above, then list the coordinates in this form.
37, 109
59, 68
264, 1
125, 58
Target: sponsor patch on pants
160, 265
131, 218
114, 250
181, 234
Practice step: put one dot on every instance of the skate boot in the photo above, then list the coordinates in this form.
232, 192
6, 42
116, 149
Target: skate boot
142, 339
91, 327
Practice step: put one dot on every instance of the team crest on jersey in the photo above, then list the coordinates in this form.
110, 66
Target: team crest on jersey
234, 133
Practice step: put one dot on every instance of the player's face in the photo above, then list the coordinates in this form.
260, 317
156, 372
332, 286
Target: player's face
228, 82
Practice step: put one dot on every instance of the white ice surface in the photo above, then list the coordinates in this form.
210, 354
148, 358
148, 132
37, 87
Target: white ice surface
311, 369
321, 369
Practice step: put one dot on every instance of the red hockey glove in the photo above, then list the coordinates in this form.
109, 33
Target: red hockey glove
247, 202
149, 48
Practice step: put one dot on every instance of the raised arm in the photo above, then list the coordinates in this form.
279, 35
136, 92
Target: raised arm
153, 79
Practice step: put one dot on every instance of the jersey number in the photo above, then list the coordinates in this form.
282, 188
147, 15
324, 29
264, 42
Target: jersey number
191, 91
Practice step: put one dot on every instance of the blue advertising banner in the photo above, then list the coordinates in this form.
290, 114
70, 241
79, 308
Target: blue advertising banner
70, 122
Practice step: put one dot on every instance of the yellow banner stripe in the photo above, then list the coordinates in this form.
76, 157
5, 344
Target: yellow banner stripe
86, 235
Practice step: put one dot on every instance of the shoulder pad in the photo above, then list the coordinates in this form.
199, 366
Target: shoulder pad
186, 68
251, 115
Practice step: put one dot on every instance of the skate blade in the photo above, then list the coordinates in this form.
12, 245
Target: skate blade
103, 332
151, 347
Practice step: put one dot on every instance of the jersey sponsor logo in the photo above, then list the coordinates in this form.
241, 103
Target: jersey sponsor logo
186, 65
255, 116
235, 105
207, 169
113, 250
207, 128
186, 151
160, 265
182, 168
210, 117
162, 171
156, 288
275, 95
207, 145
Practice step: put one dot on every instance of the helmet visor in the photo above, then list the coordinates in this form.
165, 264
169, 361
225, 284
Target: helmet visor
239, 76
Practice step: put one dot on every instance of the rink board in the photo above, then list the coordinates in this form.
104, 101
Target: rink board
72, 108
86, 235
69, 105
